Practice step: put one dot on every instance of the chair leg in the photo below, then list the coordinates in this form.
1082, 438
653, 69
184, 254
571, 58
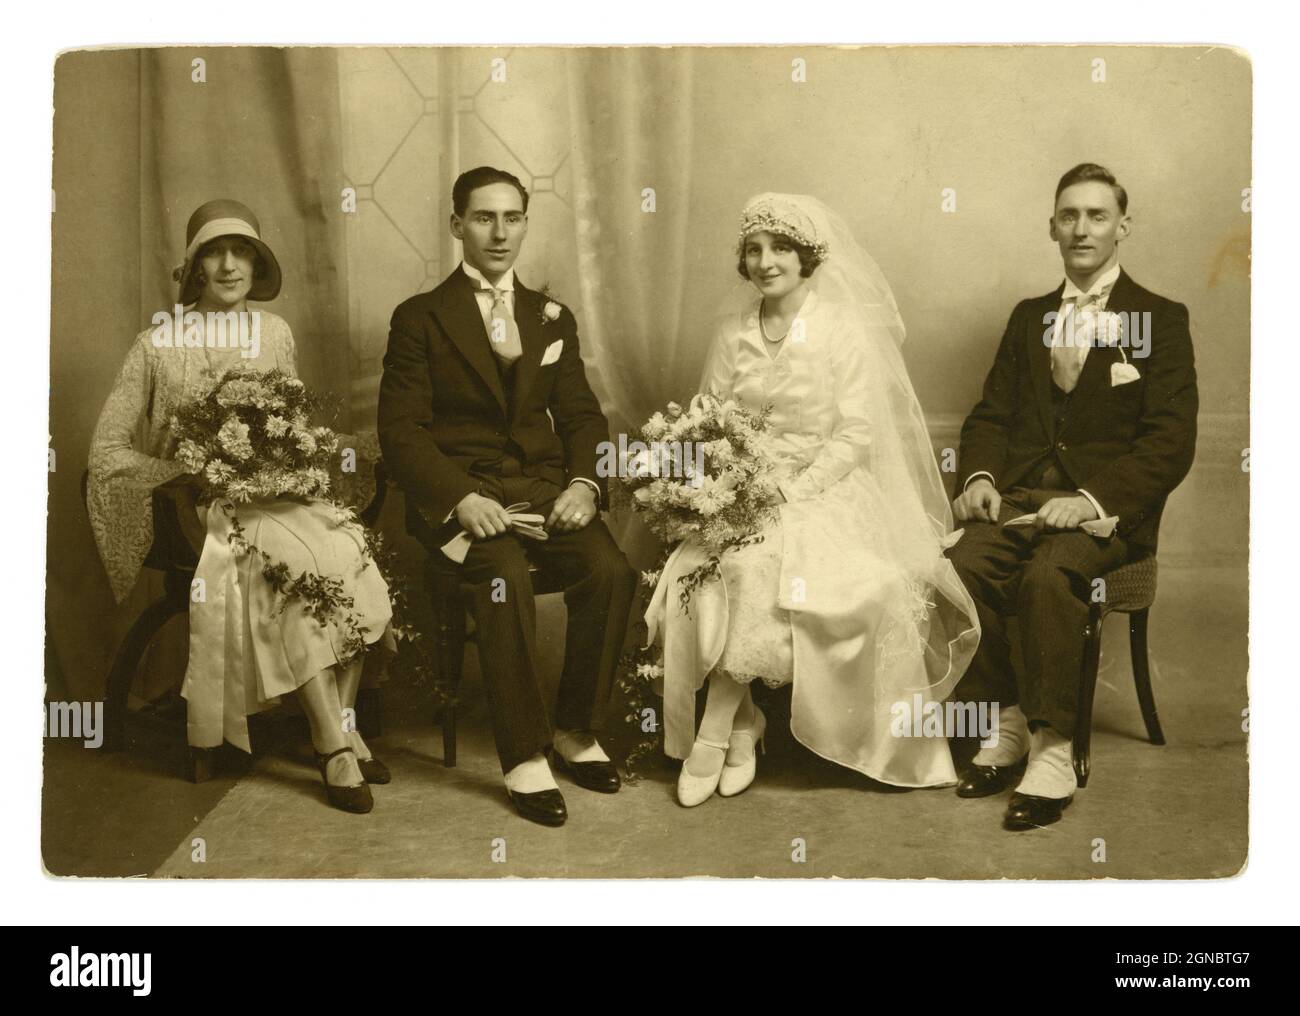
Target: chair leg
449, 650
126, 662
1087, 691
1137, 634
202, 764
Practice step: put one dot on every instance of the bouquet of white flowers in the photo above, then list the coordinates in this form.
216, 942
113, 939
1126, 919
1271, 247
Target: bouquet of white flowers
705, 474
248, 438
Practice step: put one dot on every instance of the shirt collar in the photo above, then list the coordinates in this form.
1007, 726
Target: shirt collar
1100, 289
506, 283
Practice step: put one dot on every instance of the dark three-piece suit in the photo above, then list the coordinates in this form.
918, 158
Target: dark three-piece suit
455, 419
1128, 445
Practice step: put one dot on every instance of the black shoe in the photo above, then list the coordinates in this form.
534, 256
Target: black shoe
984, 781
374, 771
546, 807
354, 799
601, 777
1025, 811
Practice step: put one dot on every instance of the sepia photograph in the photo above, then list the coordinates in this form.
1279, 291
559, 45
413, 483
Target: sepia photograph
649, 462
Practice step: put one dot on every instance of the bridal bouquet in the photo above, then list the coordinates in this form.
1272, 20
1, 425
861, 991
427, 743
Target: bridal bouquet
704, 474
248, 438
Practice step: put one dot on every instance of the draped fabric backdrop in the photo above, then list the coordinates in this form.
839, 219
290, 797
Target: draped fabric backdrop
943, 160
631, 120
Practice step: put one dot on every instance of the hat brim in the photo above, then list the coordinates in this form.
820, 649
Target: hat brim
265, 287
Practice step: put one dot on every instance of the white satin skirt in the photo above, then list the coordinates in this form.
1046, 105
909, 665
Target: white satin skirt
247, 648
860, 624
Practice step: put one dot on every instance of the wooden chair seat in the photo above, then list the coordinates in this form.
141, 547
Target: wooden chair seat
1131, 587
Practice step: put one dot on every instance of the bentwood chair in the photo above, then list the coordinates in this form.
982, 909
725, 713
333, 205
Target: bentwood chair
1129, 589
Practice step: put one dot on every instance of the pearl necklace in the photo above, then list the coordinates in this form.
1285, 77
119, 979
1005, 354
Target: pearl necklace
762, 330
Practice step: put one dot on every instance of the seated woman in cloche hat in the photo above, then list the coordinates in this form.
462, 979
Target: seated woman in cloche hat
244, 653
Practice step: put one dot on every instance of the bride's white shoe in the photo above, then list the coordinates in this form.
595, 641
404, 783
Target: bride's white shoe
740, 765
693, 790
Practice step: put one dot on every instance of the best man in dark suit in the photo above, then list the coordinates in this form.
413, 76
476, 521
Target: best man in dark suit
484, 403
1087, 422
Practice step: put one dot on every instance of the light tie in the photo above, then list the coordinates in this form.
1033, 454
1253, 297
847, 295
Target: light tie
1069, 354
503, 333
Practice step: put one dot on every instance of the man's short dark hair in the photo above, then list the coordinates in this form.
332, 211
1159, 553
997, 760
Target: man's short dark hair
482, 176
1087, 172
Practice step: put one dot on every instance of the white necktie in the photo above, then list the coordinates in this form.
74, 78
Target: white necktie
1068, 357
502, 330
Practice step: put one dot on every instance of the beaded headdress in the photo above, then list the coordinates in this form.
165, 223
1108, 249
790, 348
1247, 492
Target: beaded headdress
776, 213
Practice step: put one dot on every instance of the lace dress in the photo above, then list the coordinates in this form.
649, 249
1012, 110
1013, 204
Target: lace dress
245, 651
759, 642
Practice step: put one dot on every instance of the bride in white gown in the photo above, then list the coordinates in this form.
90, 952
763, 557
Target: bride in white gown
849, 596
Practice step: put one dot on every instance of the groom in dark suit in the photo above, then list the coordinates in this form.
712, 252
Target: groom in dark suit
1087, 423
483, 404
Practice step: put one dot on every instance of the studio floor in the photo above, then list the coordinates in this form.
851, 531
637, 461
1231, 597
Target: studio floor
1177, 811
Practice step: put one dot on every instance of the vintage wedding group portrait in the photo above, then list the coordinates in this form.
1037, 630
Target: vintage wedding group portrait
791, 531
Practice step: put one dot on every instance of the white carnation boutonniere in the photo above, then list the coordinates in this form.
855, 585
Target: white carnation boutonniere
1109, 328
551, 308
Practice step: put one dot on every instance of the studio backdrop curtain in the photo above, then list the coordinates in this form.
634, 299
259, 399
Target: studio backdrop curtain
631, 123
630, 118
259, 125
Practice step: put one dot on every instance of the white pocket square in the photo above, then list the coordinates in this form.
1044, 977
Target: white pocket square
552, 352
1122, 374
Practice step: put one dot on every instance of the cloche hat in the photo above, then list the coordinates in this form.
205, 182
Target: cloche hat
225, 217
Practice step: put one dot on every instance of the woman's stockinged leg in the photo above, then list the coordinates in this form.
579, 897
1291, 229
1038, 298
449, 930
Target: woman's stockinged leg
745, 711
319, 698
725, 696
349, 680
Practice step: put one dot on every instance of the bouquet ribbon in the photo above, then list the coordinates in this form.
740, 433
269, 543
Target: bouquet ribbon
526, 525
214, 686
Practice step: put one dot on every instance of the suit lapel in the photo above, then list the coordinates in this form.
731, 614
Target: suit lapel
459, 316
1040, 357
532, 337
